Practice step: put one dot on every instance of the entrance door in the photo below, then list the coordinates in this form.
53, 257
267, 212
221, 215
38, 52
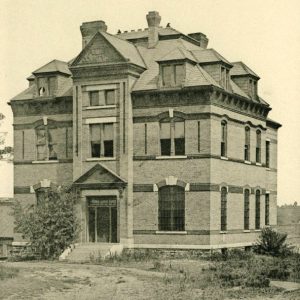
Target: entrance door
102, 215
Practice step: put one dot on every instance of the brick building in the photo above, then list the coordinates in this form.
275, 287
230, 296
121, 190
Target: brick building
167, 142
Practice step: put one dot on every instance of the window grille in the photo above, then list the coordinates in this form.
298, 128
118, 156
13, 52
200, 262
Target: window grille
171, 207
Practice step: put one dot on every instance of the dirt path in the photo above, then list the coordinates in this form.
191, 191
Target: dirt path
46, 280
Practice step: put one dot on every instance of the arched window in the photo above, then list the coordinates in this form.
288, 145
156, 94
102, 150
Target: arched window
224, 138
267, 209
172, 137
223, 209
42, 91
171, 208
246, 209
258, 146
257, 209
247, 144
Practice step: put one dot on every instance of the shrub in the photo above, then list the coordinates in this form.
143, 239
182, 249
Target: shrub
51, 226
272, 243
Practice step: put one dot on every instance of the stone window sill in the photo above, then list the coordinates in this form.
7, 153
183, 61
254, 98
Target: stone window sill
45, 161
224, 157
223, 232
258, 164
171, 157
100, 158
257, 230
171, 232
247, 230
268, 169
247, 162
100, 107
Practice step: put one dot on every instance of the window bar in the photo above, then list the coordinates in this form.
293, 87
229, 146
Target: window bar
199, 136
146, 139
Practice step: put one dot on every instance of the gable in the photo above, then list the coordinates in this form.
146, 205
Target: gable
98, 51
99, 175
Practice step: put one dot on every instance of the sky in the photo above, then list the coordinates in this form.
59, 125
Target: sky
263, 34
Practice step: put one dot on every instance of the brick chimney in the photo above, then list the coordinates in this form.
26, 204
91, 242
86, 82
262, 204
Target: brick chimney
153, 20
201, 38
89, 29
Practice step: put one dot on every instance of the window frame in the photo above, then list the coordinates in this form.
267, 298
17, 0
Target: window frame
258, 147
106, 91
174, 148
247, 145
257, 210
47, 144
176, 199
174, 81
246, 209
267, 209
268, 152
223, 138
223, 215
102, 145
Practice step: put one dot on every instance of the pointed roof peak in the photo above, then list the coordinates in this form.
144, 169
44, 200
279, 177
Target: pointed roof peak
54, 66
178, 53
240, 68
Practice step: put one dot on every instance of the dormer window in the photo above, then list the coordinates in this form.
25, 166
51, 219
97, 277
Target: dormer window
172, 75
42, 91
225, 78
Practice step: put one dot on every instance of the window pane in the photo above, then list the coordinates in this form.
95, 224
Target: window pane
165, 146
167, 75
108, 132
95, 140
110, 97
179, 74
94, 98
180, 146
41, 136
41, 152
165, 130
101, 98
179, 129
108, 148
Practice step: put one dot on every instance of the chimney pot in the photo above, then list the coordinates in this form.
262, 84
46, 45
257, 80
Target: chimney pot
153, 19
200, 37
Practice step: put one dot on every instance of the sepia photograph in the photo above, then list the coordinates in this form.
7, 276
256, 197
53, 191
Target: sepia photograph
148, 149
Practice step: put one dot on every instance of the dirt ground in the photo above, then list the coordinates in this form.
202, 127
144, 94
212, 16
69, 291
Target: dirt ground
54, 280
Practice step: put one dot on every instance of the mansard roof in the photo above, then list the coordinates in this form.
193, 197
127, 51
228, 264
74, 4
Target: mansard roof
239, 69
54, 66
209, 56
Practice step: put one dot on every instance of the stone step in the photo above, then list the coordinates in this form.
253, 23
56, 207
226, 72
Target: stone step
86, 252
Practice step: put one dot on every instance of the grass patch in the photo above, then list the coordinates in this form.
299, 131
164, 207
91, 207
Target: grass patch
8, 272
